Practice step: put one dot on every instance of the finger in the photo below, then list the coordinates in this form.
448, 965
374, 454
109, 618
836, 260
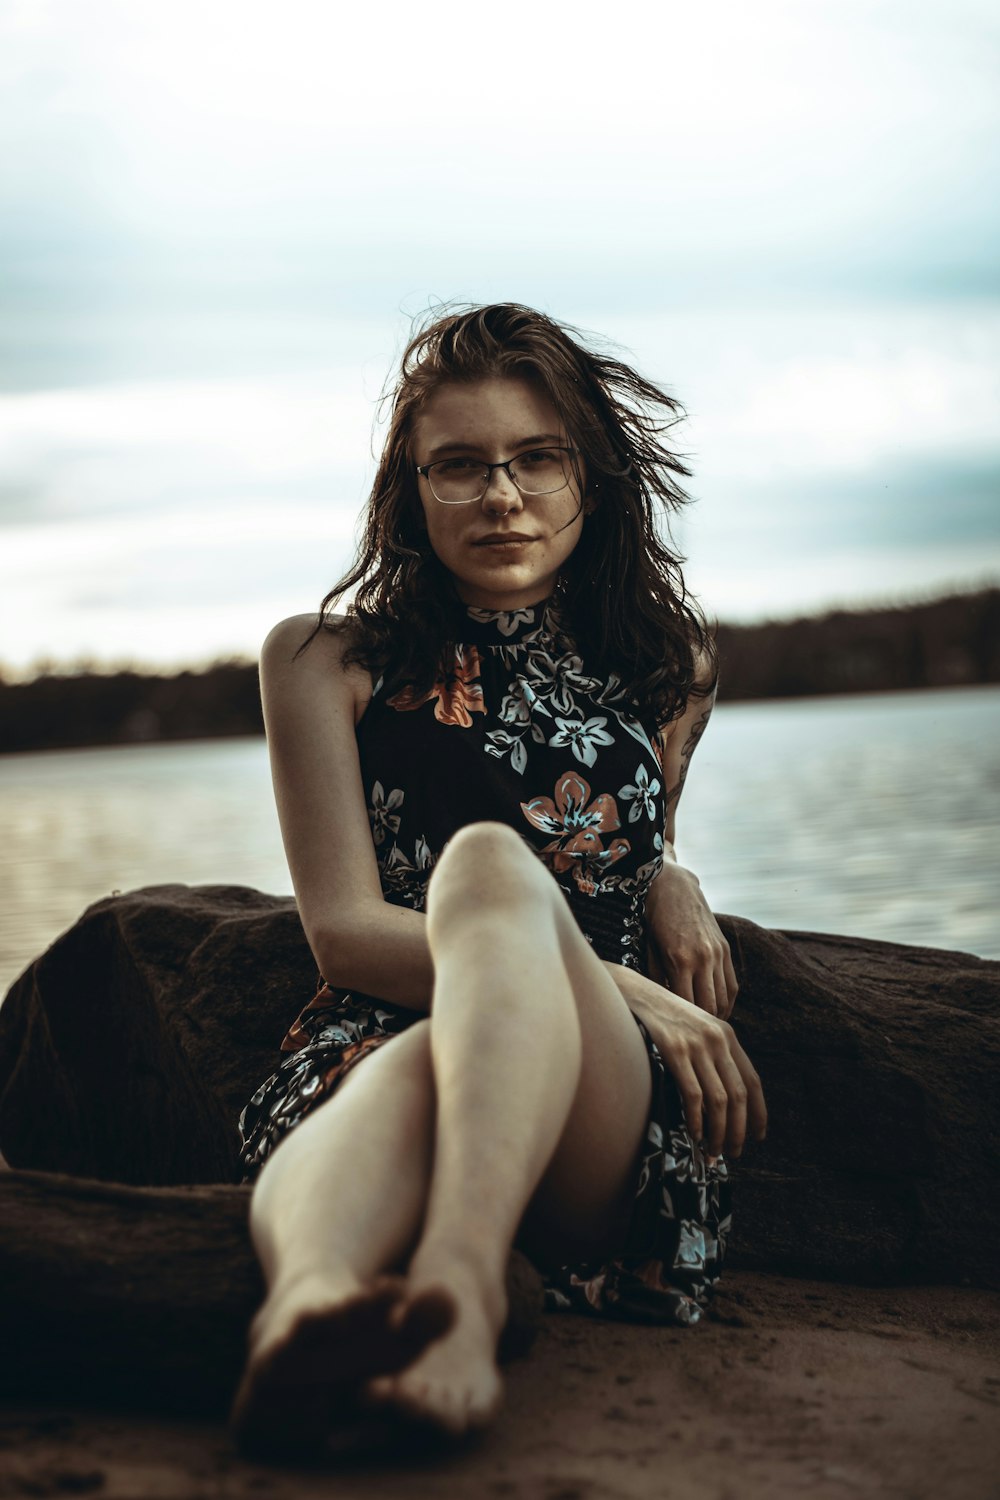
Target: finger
722, 991
756, 1107
690, 1092
715, 1106
738, 1096
682, 983
705, 995
732, 983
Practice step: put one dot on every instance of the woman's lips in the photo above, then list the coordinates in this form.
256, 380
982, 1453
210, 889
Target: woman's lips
512, 542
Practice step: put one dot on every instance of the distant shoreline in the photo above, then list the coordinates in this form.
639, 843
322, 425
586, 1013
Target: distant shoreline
948, 642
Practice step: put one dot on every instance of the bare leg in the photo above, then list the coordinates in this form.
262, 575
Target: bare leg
543, 1089
339, 1203
541, 1086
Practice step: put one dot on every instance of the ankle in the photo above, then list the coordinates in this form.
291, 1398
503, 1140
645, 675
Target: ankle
473, 1275
308, 1285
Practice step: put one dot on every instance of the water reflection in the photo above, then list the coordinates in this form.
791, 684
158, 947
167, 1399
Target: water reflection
877, 816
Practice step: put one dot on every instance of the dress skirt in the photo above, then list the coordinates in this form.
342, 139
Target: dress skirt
676, 1236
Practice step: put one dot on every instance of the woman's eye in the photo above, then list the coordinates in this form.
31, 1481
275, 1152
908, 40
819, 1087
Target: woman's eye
457, 466
538, 456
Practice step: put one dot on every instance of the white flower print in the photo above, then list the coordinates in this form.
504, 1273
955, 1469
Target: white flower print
582, 736
691, 1248
382, 814
404, 879
506, 620
395, 860
556, 679
500, 743
679, 1157
635, 729
516, 707
648, 872
642, 795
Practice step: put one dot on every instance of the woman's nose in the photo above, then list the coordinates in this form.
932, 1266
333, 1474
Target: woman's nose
502, 494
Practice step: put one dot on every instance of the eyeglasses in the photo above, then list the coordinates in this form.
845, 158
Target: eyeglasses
461, 481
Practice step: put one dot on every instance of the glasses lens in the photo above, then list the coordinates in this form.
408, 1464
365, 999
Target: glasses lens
456, 481
540, 472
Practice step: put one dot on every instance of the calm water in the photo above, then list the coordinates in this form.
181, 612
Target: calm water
878, 816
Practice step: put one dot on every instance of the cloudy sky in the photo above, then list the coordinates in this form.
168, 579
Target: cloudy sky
218, 219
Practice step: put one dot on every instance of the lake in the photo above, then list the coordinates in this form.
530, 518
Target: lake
877, 816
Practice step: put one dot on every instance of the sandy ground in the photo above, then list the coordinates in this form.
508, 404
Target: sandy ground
793, 1388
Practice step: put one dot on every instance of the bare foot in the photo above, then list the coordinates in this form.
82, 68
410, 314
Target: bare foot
313, 1347
454, 1385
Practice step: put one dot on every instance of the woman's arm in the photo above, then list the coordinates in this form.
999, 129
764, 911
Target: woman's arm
312, 704
687, 949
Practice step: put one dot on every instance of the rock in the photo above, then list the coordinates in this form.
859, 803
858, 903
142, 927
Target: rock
128, 1049
134, 1296
880, 1064
141, 1297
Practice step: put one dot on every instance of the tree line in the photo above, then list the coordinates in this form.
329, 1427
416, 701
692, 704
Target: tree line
947, 642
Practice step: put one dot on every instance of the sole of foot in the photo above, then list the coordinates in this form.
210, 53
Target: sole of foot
303, 1385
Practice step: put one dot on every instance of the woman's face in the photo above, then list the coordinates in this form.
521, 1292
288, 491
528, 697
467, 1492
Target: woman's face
505, 550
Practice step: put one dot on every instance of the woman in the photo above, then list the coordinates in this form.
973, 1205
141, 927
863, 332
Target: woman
476, 774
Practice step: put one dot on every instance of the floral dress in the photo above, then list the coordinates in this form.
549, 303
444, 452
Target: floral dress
519, 731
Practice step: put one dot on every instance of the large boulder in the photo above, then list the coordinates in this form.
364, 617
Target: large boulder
133, 1296
142, 1297
880, 1064
128, 1049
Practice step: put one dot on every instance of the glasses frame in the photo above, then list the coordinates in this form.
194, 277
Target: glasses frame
424, 471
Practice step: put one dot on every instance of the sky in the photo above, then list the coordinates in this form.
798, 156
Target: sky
217, 221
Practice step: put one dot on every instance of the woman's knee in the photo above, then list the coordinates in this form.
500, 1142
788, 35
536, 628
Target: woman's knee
487, 863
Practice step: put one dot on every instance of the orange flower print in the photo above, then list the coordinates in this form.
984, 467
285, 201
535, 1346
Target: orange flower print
458, 694
577, 824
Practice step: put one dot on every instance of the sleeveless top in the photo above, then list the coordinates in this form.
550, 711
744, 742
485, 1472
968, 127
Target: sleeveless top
518, 730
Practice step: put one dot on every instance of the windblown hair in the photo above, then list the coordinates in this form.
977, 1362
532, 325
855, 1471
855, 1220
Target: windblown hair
622, 594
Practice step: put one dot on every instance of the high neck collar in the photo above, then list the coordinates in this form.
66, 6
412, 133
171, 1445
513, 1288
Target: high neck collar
504, 627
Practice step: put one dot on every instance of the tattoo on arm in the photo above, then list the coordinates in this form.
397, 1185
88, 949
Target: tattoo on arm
687, 750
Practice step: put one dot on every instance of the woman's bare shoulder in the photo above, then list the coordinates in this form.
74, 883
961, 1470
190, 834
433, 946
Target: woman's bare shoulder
296, 643
296, 656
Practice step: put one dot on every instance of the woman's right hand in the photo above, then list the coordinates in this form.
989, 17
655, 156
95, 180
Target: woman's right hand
718, 1084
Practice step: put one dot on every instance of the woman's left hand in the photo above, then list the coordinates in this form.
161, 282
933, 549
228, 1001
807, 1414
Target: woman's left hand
687, 951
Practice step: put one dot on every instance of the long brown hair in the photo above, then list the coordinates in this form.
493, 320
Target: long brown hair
623, 600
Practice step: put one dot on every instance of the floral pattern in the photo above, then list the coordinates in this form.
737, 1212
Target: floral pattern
578, 827
518, 729
383, 814
456, 696
505, 620
583, 736
642, 794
